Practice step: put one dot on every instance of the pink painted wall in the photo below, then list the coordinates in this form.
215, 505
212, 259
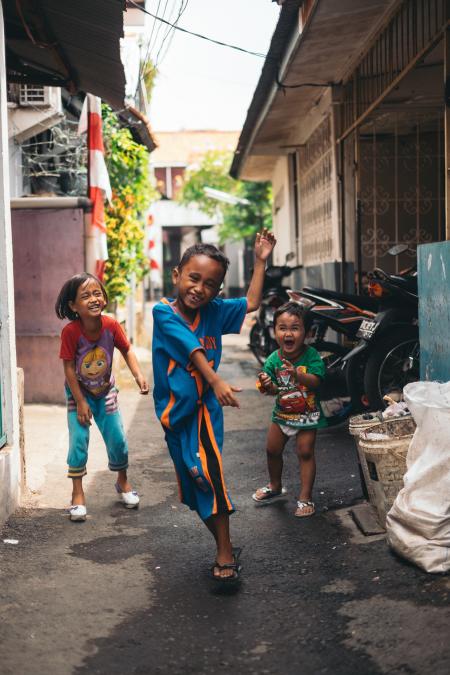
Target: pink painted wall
48, 248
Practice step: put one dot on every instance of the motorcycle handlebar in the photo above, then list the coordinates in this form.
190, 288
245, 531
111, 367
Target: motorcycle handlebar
281, 270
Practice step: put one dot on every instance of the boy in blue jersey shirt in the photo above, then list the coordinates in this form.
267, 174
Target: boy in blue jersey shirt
189, 394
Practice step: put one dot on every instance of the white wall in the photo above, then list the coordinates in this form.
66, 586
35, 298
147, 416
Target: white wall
9, 455
235, 275
15, 170
282, 211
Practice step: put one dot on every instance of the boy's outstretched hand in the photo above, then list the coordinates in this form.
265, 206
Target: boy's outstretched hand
264, 244
225, 393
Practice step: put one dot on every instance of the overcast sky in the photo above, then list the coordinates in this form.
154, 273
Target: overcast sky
204, 86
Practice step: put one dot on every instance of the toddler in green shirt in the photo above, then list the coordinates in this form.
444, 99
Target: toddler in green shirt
293, 373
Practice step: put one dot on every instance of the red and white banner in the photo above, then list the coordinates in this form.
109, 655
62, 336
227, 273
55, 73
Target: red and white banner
98, 178
154, 251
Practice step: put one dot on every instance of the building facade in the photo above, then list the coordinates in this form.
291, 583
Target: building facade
352, 129
27, 58
174, 226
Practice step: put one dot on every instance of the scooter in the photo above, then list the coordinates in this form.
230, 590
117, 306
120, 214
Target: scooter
262, 341
387, 355
324, 310
345, 318
341, 312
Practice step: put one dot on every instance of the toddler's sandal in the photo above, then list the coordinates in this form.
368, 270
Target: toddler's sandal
268, 495
305, 509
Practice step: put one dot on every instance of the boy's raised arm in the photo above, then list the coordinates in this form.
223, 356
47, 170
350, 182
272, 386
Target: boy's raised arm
264, 244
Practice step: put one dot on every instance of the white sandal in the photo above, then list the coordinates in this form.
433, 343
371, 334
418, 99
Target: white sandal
77, 512
302, 506
268, 495
130, 499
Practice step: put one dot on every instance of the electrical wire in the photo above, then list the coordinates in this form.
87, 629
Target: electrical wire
170, 16
147, 51
170, 34
282, 85
158, 30
198, 35
167, 35
151, 33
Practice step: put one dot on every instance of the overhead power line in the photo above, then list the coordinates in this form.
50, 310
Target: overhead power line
198, 35
170, 34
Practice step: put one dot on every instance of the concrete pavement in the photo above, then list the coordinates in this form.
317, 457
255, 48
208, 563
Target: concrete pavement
127, 590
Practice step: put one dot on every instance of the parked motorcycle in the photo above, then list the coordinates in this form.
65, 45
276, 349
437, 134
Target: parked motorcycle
325, 310
387, 355
262, 341
341, 312
328, 310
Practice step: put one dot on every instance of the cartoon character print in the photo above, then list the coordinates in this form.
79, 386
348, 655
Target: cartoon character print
295, 402
94, 370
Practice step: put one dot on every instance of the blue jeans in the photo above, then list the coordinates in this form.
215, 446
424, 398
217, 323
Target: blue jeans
109, 421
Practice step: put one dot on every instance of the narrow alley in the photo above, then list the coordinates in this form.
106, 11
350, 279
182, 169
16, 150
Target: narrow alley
128, 591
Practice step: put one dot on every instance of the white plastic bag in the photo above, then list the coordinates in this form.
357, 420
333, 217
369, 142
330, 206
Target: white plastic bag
418, 524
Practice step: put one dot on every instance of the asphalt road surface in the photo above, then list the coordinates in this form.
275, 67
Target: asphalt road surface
127, 592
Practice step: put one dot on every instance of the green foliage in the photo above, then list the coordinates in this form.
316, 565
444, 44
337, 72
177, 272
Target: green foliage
149, 75
128, 168
243, 221
240, 221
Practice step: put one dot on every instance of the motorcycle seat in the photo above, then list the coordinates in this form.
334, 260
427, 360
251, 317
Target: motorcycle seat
410, 283
362, 301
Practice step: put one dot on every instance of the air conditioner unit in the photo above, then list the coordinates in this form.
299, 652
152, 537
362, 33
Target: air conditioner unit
34, 95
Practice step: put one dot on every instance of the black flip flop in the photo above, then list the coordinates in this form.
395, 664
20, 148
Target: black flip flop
235, 566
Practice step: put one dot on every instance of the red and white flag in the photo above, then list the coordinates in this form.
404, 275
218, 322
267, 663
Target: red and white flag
98, 178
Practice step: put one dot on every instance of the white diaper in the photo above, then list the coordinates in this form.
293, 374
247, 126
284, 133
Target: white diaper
289, 431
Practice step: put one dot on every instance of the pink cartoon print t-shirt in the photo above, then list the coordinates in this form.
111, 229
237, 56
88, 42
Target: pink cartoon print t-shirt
93, 358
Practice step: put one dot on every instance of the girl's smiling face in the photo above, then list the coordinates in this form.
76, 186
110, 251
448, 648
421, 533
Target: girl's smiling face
90, 301
290, 334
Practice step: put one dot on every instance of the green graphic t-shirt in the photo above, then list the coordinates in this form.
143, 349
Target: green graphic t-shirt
295, 405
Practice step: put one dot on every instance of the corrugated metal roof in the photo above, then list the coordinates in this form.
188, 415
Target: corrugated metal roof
140, 127
74, 43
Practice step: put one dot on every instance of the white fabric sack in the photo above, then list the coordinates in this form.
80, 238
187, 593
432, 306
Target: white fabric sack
418, 524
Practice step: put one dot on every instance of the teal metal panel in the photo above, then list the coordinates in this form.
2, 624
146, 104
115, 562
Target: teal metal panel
433, 264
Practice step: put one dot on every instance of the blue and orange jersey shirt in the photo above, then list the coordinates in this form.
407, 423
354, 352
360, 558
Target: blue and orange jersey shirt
178, 388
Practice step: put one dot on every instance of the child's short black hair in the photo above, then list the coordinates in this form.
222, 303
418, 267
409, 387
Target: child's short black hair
68, 293
204, 249
294, 309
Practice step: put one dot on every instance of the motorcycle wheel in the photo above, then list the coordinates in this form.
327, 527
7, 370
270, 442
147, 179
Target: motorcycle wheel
258, 343
336, 402
354, 375
393, 364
